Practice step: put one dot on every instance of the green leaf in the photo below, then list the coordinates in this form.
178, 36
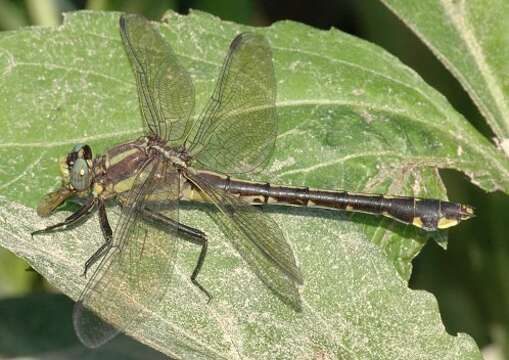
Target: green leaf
470, 39
350, 116
14, 279
354, 305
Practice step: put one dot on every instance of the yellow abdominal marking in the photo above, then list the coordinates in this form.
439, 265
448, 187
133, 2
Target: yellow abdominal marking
192, 194
272, 200
417, 221
444, 223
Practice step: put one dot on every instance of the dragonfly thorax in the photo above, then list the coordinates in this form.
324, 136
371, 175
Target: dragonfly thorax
178, 158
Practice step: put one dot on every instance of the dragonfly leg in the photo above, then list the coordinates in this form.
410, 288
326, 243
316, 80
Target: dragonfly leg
72, 219
108, 238
194, 235
201, 259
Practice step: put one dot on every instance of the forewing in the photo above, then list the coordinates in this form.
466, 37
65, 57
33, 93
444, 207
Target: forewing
237, 129
133, 277
258, 239
165, 89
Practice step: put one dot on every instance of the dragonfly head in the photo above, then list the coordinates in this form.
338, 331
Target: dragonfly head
76, 172
76, 168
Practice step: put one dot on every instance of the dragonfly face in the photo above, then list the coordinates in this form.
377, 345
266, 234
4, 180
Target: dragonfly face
77, 179
76, 168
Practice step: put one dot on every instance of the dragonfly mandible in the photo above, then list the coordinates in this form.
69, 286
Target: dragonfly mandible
234, 134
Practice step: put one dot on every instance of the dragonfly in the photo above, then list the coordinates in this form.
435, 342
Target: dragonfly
177, 159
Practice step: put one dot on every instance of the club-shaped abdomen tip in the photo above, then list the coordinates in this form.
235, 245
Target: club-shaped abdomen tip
453, 213
467, 212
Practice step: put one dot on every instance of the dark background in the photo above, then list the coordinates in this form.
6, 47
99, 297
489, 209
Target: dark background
468, 279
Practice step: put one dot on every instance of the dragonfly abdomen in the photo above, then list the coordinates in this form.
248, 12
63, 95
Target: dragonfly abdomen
428, 214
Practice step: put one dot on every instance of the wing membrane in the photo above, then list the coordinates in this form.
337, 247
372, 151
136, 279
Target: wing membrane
237, 129
135, 274
165, 89
258, 239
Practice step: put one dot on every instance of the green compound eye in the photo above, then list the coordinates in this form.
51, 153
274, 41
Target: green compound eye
82, 150
80, 175
77, 147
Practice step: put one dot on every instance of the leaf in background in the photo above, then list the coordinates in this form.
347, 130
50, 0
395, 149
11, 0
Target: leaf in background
14, 280
39, 327
350, 116
470, 39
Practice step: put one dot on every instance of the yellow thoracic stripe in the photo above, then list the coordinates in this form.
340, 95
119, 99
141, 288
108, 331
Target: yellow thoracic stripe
120, 157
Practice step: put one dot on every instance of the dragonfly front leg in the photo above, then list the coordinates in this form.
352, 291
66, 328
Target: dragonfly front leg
194, 235
72, 219
108, 237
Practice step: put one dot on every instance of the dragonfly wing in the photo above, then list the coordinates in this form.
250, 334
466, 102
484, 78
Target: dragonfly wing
237, 131
165, 88
133, 277
258, 239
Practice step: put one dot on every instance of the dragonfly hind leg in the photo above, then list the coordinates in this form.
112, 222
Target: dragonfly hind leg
194, 235
108, 238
